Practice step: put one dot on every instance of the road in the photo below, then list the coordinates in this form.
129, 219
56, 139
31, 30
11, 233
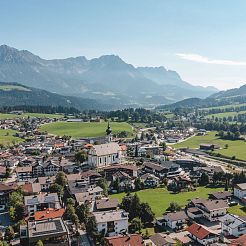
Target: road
83, 239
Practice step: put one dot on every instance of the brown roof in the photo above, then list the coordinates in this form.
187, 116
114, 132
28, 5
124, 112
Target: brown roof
241, 186
2, 169
7, 187
129, 167
199, 231
90, 173
160, 240
180, 215
23, 169
107, 203
49, 213
241, 241
215, 204
221, 194
129, 240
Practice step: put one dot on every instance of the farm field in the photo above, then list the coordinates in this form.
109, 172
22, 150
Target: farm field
85, 129
159, 198
7, 137
25, 115
225, 106
235, 148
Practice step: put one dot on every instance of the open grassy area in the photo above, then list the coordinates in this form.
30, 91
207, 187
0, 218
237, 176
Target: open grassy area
85, 129
225, 106
239, 210
159, 198
25, 115
13, 87
235, 148
226, 114
7, 137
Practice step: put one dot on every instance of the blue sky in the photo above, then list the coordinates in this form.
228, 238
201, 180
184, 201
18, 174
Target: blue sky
203, 40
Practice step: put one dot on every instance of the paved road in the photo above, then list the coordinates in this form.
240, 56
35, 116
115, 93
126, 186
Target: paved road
83, 239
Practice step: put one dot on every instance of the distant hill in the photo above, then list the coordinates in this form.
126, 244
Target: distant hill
232, 96
107, 78
15, 94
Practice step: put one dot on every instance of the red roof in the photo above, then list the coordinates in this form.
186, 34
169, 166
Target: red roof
241, 241
49, 213
133, 240
198, 231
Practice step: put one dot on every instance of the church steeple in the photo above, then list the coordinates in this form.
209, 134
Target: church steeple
109, 133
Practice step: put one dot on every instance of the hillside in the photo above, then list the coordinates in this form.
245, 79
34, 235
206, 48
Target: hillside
107, 78
14, 94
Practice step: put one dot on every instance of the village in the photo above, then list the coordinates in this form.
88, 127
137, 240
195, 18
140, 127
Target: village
88, 191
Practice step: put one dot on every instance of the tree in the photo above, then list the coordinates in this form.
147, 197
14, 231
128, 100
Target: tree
61, 179
70, 210
91, 226
56, 188
204, 180
146, 214
136, 225
39, 243
173, 207
83, 211
9, 234
164, 146
71, 201
102, 182
81, 156
138, 184
20, 212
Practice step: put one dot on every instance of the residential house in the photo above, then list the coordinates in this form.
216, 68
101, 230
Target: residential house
125, 240
240, 190
50, 168
241, 241
124, 181
221, 195
161, 240
41, 202
5, 191
50, 231
46, 182
23, 173
2, 172
103, 155
176, 220
202, 234
112, 223
150, 180
233, 225
106, 204
89, 195
48, 214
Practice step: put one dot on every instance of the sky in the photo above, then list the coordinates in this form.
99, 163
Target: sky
203, 40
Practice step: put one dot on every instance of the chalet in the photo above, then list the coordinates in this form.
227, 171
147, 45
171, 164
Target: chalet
23, 173
103, 155
125, 182
50, 168
221, 195
202, 234
112, 223
150, 180
132, 171
212, 210
176, 220
233, 225
161, 240
240, 190
91, 194
46, 182
106, 204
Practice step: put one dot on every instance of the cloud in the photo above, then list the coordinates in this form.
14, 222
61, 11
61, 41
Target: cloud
204, 59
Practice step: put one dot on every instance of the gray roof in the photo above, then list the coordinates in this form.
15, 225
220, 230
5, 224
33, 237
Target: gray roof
107, 216
41, 198
160, 240
106, 149
180, 215
233, 221
241, 186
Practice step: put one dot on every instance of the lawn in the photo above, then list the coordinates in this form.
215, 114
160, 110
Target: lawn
225, 114
25, 115
235, 148
239, 210
224, 107
159, 198
85, 129
7, 137
13, 87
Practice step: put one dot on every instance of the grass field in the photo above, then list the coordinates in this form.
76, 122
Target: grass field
226, 114
85, 129
239, 210
13, 87
235, 148
25, 115
159, 198
225, 106
7, 137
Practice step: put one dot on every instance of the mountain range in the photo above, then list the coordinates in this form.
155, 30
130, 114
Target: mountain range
107, 79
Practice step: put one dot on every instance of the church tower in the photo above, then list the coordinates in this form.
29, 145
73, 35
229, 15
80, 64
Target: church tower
109, 134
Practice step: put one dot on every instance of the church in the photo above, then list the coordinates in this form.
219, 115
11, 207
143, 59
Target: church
107, 154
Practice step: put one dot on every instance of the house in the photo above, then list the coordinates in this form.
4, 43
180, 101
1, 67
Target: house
241, 241
103, 155
91, 194
176, 220
112, 223
23, 173
2, 172
5, 191
124, 181
233, 225
167, 169
50, 232
194, 213
41, 202
31, 188
209, 147
161, 240
106, 204
50, 168
202, 234
150, 180
212, 209
46, 182
221, 195
240, 190
111, 170
125, 240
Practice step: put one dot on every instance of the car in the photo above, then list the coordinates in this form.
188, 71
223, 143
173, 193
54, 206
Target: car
2, 208
233, 203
